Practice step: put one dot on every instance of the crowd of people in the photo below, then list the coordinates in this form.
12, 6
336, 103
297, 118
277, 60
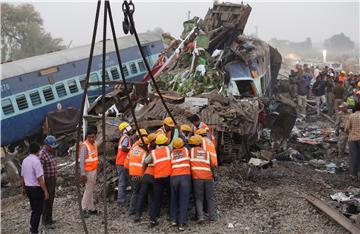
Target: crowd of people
337, 94
176, 161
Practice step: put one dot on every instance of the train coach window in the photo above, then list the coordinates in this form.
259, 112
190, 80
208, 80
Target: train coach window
133, 68
22, 102
141, 66
125, 70
73, 86
115, 73
7, 106
106, 76
48, 94
60, 89
35, 98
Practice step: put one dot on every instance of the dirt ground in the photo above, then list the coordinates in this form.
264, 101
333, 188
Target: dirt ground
249, 200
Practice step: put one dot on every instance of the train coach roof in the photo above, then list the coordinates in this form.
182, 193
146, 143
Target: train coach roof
43, 61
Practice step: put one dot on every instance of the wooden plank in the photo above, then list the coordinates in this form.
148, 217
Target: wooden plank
334, 214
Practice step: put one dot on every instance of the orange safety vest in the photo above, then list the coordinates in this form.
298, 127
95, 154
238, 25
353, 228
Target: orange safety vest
342, 79
204, 126
200, 164
91, 159
150, 169
136, 160
121, 155
126, 162
210, 148
162, 161
180, 162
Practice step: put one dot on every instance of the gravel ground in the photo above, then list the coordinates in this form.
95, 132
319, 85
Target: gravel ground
250, 200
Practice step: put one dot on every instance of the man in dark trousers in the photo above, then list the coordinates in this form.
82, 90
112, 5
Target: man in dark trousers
48, 161
33, 185
319, 92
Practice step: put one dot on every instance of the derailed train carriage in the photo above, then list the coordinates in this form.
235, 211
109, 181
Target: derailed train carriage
33, 87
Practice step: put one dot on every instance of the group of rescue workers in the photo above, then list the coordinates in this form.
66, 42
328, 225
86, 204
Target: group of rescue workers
180, 160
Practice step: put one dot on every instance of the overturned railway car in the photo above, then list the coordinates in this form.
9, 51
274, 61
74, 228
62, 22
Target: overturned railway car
32, 87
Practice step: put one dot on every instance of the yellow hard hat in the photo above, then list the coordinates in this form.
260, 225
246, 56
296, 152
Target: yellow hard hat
123, 125
151, 137
143, 132
185, 128
146, 140
169, 122
195, 140
178, 143
343, 72
161, 139
358, 84
200, 131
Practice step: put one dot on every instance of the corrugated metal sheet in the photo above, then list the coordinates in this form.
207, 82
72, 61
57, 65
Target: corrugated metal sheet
39, 62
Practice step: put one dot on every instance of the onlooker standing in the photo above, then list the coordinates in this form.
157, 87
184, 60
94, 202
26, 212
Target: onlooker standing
48, 161
88, 167
339, 95
329, 86
319, 92
33, 185
303, 87
293, 86
341, 119
353, 129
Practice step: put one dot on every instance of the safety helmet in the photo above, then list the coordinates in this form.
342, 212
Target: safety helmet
123, 125
343, 72
151, 137
195, 140
51, 141
178, 143
143, 132
358, 84
200, 131
169, 122
146, 140
161, 139
185, 128
351, 73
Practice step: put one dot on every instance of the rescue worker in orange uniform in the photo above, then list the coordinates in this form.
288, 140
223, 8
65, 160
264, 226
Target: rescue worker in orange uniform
143, 133
208, 145
88, 168
123, 151
169, 130
201, 173
197, 124
342, 77
147, 182
136, 161
180, 184
161, 160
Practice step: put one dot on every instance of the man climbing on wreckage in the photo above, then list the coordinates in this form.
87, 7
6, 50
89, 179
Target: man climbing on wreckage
197, 124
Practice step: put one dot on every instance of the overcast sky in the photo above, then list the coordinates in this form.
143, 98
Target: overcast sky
73, 21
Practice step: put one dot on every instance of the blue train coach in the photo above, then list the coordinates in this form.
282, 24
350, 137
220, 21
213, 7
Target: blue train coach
32, 87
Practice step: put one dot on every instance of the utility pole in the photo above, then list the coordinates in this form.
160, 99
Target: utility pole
188, 15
